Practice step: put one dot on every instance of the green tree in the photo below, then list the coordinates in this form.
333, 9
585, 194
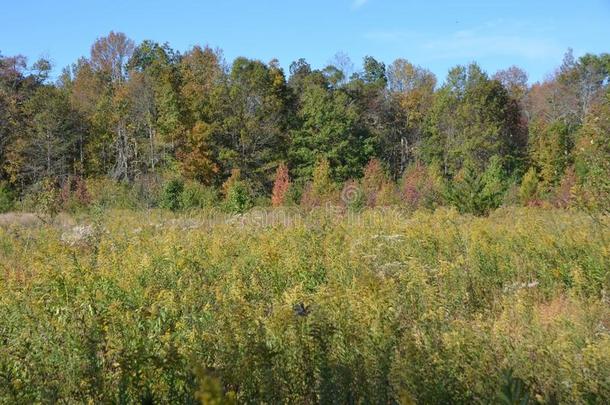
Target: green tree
46, 148
328, 130
254, 131
472, 119
528, 191
592, 158
478, 193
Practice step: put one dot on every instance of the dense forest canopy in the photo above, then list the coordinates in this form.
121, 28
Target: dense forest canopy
130, 111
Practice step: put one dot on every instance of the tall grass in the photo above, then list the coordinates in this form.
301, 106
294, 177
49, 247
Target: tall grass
378, 307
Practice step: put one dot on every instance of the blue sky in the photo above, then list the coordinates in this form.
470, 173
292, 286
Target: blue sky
436, 34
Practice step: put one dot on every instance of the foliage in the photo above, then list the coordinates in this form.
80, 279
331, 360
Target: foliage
476, 193
376, 307
528, 191
422, 186
237, 193
131, 112
195, 195
74, 194
281, 186
172, 192
329, 131
107, 193
513, 391
7, 198
321, 189
473, 119
374, 180
352, 196
593, 159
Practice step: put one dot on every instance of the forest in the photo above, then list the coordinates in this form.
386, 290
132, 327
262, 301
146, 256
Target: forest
177, 228
188, 127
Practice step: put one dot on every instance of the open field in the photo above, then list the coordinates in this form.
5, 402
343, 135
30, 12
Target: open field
377, 307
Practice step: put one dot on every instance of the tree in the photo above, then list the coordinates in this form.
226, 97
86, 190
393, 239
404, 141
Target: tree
110, 54
237, 192
321, 188
281, 185
328, 130
550, 150
374, 72
472, 119
196, 158
528, 191
514, 80
48, 148
17, 84
478, 193
412, 90
111, 103
156, 108
255, 123
592, 156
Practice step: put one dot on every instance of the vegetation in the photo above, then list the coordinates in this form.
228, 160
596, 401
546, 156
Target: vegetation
177, 228
324, 307
145, 114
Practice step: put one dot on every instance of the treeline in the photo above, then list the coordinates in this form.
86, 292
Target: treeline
146, 114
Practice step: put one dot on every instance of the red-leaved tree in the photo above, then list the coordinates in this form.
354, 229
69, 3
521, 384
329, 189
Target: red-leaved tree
280, 186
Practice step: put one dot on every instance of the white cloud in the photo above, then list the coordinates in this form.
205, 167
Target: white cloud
494, 38
356, 4
470, 44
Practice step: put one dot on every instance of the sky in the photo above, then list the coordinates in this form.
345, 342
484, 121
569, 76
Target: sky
436, 34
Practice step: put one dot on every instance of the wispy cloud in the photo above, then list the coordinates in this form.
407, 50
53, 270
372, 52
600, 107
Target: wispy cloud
356, 4
472, 44
493, 38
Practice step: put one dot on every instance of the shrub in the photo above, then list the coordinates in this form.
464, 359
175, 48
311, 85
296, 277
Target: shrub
148, 188
373, 180
565, 192
321, 189
421, 186
592, 160
43, 198
74, 194
237, 192
7, 198
475, 193
429, 308
529, 186
196, 195
281, 186
352, 196
171, 196
106, 193
387, 195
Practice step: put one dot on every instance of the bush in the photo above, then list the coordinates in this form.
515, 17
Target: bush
147, 189
281, 186
373, 181
422, 186
238, 194
106, 193
7, 198
195, 195
43, 198
172, 193
352, 196
321, 189
74, 194
529, 186
475, 193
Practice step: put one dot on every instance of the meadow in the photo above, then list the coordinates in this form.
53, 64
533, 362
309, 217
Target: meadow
288, 306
